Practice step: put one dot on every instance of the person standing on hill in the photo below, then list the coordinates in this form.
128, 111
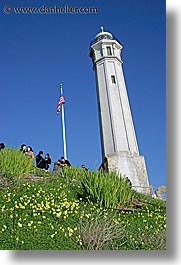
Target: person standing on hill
104, 165
40, 162
47, 161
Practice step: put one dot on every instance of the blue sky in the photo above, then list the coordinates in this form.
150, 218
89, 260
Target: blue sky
39, 51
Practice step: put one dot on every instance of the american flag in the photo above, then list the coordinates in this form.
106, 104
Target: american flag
60, 102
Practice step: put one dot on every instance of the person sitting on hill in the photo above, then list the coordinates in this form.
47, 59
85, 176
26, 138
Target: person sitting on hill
29, 152
63, 162
2, 146
23, 148
47, 161
84, 167
129, 181
40, 160
56, 167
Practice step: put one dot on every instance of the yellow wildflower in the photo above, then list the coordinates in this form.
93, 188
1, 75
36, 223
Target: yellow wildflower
19, 224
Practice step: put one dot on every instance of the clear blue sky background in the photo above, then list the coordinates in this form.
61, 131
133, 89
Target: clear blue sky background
38, 51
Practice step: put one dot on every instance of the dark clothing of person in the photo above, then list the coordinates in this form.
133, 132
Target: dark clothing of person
23, 148
104, 165
64, 163
23, 151
67, 163
129, 181
2, 146
40, 162
47, 162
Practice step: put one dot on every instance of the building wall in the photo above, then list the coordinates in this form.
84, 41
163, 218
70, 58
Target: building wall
114, 108
131, 166
118, 139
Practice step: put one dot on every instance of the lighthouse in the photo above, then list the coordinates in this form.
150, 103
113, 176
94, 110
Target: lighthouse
117, 133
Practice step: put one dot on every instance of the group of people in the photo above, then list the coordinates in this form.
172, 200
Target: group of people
61, 163
45, 162
27, 150
41, 162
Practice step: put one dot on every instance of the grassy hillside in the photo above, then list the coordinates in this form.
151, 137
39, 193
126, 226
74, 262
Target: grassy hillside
74, 210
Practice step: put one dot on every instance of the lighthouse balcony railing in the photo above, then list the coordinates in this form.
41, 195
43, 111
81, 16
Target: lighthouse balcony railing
105, 37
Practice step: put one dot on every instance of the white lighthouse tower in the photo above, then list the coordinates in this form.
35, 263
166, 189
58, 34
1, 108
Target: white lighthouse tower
118, 139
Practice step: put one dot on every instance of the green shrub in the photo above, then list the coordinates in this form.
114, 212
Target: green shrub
72, 174
101, 232
105, 189
14, 164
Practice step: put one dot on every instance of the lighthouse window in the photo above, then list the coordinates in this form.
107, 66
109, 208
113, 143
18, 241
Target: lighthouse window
93, 56
113, 79
101, 52
109, 52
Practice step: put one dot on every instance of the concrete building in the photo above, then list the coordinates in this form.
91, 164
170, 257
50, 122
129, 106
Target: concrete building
118, 139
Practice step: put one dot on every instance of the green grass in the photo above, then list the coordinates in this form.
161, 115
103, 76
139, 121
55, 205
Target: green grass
105, 189
14, 164
67, 211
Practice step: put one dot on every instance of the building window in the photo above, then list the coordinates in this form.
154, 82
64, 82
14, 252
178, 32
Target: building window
113, 79
109, 52
101, 52
93, 56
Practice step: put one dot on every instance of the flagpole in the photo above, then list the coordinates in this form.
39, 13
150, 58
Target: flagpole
63, 125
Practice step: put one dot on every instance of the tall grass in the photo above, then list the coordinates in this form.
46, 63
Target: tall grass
14, 164
105, 189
